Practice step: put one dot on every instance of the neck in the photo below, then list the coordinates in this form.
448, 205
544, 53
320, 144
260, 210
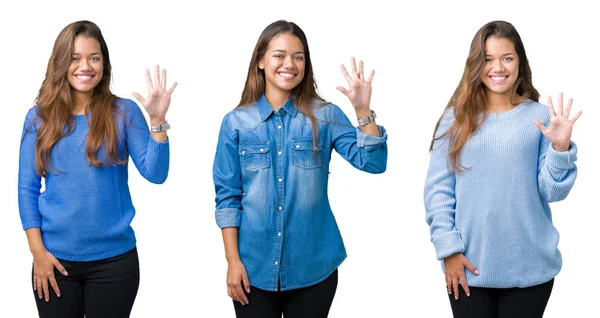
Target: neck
499, 103
81, 102
277, 99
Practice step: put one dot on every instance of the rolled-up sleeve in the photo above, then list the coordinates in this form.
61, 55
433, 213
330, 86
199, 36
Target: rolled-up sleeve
439, 196
227, 178
365, 152
557, 171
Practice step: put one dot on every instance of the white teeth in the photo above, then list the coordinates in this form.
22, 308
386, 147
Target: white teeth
83, 77
286, 75
498, 78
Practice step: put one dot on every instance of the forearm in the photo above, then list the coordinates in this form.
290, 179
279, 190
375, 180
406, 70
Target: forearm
370, 128
34, 238
230, 240
160, 136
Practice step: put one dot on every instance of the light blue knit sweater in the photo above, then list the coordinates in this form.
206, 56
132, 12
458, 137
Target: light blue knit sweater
496, 211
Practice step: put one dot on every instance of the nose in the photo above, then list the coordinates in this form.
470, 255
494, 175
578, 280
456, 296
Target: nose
288, 62
84, 65
498, 66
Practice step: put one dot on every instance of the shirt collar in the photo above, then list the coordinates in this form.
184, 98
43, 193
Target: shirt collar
265, 109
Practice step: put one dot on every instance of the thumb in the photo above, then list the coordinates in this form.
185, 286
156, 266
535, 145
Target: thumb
139, 97
60, 268
470, 266
342, 89
246, 281
539, 125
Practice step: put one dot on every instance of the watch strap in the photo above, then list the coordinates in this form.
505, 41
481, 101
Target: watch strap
161, 127
368, 119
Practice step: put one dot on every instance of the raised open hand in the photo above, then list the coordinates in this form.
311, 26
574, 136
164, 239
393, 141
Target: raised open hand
560, 127
158, 100
359, 91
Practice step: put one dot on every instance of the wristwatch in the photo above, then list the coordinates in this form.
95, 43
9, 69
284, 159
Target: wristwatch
159, 128
368, 119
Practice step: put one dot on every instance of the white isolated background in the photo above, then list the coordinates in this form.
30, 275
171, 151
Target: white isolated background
418, 50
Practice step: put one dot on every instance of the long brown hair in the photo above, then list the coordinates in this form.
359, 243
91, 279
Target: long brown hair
56, 100
255, 82
469, 98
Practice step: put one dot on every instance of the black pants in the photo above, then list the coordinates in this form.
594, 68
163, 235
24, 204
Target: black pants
313, 301
527, 302
97, 289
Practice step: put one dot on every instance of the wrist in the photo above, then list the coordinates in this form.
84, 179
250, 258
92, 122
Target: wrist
363, 112
561, 147
232, 259
365, 119
157, 120
37, 251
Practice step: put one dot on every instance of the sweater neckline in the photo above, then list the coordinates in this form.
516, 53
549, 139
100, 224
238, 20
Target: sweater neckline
509, 113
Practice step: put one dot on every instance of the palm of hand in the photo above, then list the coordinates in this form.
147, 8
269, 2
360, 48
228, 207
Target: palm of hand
560, 127
359, 87
159, 98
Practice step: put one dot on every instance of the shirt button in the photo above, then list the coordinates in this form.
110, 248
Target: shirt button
279, 127
279, 234
262, 150
279, 153
276, 262
280, 180
243, 152
280, 208
297, 146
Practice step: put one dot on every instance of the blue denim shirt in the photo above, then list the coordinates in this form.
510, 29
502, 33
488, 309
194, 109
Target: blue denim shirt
269, 183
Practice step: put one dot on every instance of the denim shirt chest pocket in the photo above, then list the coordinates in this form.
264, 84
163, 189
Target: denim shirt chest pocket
303, 154
255, 156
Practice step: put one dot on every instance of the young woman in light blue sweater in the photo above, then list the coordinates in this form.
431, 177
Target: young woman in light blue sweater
78, 138
498, 158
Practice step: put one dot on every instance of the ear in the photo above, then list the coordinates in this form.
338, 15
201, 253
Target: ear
261, 64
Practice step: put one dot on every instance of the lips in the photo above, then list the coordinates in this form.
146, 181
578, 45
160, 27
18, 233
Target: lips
498, 79
84, 77
287, 75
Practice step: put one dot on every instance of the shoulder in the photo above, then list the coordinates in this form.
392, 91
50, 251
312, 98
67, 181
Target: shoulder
127, 105
326, 111
446, 120
32, 117
243, 117
536, 110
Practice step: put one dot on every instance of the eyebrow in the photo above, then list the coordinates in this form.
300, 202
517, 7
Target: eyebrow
505, 54
96, 53
284, 51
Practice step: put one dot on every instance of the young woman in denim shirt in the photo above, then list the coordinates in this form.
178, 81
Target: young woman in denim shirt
78, 138
498, 158
270, 172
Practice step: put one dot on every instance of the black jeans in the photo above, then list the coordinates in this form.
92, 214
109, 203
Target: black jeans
313, 301
96, 289
527, 302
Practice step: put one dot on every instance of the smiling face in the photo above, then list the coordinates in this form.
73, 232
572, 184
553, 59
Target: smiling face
86, 68
501, 69
283, 64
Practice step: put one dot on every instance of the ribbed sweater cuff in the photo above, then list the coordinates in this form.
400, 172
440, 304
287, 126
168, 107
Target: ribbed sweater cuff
159, 145
562, 159
31, 224
448, 244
